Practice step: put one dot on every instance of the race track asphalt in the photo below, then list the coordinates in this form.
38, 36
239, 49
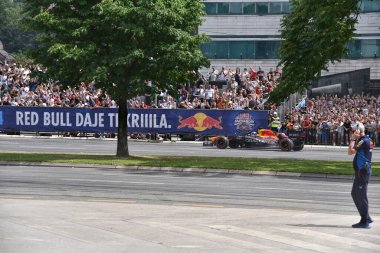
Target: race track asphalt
108, 146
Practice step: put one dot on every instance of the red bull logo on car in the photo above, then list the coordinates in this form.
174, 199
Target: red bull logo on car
200, 122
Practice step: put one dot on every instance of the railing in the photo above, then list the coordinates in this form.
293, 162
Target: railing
289, 104
331, 138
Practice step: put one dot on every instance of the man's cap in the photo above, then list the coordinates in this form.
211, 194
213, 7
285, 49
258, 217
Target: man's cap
360, 127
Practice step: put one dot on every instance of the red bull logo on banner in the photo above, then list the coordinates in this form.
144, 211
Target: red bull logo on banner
244, 123
200, 122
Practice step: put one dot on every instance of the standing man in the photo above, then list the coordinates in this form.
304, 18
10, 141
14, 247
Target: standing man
361, 145
275, 122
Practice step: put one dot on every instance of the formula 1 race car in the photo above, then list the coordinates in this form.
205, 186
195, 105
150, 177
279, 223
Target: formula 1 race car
265, 138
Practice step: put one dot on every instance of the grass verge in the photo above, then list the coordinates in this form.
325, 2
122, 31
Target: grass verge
255, 164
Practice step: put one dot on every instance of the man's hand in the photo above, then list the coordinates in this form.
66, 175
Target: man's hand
351, 150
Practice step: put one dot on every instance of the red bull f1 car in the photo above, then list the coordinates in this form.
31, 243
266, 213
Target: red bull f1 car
265, 138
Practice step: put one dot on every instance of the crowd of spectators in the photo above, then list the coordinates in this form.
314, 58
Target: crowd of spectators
17, 88
234, 89
245, 89
326, 119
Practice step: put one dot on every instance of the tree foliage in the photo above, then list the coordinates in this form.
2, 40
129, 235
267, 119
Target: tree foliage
12, 35
118, 43
314, 35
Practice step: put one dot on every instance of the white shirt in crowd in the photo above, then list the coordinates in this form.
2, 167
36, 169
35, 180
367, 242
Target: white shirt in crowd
202, 93
213, 74
209, 93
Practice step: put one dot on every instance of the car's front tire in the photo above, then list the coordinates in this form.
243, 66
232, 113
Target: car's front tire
286, 144
222, 142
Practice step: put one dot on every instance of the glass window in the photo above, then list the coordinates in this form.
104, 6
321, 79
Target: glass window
260, 49
275, 8
285, 7
266, 49
241, 49
262, 8
270, 49
223, 8
221, 49
370, 5
249, 8
210, 8
273, 48
354, 49
235, 8
370, 48
215, 50
208, 50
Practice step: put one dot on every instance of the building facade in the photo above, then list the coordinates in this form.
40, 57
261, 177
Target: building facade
246, 33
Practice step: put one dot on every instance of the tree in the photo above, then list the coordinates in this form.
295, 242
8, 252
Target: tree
119, 44
12, 35
314, 34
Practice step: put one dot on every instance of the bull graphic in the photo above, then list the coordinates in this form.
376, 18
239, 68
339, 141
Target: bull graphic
209, 123
190, 122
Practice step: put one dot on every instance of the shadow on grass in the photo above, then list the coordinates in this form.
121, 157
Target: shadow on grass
235, 163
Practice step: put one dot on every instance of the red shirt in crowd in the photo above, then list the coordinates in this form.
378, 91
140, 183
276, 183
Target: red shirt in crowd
253, 75
307, 123
258, 91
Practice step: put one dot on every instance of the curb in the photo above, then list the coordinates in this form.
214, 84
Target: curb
188, 170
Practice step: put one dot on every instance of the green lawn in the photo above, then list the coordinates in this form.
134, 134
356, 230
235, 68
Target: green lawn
256, 164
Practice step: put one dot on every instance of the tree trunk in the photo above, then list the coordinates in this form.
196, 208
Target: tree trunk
122, 130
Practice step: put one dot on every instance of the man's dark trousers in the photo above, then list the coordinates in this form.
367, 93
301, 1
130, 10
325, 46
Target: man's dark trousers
359, 193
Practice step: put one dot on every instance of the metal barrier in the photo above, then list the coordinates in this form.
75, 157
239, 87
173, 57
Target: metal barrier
311, 136
289, 104
331, 138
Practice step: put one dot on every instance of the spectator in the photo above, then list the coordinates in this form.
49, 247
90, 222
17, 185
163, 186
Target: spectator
213, 74
326, 119
260, 74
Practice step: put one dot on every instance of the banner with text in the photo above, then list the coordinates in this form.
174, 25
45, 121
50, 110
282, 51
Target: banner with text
209, 122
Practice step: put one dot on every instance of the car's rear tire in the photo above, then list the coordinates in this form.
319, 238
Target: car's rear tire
234, 144
222, 142
286, 144
298, 146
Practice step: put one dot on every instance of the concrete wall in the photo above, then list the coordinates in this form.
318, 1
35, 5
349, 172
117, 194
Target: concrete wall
353, 82
368, 23
349, 65
343, 66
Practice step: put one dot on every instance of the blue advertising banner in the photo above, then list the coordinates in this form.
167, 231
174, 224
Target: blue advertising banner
208, 122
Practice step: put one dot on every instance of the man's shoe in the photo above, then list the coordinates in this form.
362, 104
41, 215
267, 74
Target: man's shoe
369, 220
361, 225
